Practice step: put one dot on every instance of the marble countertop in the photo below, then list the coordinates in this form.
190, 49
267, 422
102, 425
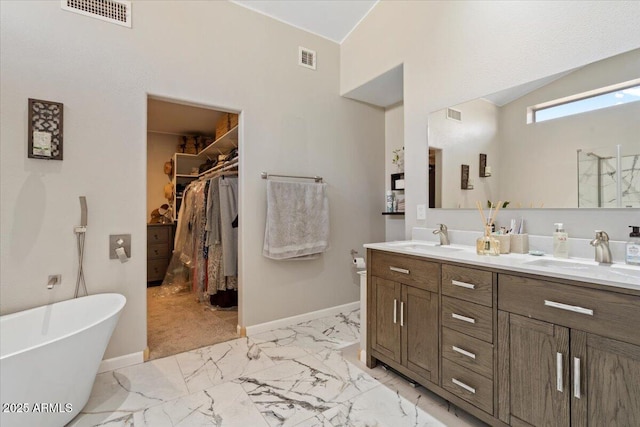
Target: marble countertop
578, 269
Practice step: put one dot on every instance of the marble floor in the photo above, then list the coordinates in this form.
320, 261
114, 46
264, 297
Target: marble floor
305, 375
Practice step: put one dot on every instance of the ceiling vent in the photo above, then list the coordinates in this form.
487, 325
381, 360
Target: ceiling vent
114, 11
454, 114
306, 57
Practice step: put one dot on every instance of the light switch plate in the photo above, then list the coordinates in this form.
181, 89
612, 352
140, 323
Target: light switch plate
421, 212
113, 245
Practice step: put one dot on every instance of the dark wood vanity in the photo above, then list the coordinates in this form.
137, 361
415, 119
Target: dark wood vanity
510, 348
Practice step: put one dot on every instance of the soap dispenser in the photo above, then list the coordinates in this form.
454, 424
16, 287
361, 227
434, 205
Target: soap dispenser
560, 242
632, 252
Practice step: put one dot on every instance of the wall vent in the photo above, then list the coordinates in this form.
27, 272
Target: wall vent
307, 57
454, 114
114, 11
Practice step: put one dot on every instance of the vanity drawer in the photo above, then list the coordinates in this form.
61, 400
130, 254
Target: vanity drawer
469, 284
601, 312
160, 250
157, 234
411, 271
469, 318
468, 352
468, 385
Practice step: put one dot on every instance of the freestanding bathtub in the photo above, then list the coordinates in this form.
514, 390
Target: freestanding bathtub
49, 358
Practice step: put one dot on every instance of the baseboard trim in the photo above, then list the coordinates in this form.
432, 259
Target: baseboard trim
121, 362
293, 320
362, 356
242, 331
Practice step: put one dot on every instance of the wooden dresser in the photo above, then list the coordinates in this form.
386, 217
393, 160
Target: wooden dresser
159, 249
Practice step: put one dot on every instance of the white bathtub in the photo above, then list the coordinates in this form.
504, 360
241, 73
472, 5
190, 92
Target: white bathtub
49, 357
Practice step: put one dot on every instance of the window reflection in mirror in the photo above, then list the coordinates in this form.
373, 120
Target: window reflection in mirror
543, 164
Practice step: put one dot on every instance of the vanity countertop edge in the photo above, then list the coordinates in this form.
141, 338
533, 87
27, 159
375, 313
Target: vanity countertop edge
512, 262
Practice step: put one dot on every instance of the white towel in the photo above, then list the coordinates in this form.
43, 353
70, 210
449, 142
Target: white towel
297, 220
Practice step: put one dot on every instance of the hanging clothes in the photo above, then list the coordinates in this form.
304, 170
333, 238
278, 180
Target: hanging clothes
228, 213
206, 242
216, 279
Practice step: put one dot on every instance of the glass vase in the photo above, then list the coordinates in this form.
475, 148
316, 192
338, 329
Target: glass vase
487, 244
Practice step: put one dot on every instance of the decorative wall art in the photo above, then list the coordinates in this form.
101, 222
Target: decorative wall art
464, 178
45, 129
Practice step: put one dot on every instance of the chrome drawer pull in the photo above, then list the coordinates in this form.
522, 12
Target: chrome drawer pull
568, 307
399, 270
463, 385
463, 318
395, 311
463, 284
559, 385
576, 377
464, 352
402, 313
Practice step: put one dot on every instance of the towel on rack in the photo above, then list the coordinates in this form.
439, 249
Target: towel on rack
297, 220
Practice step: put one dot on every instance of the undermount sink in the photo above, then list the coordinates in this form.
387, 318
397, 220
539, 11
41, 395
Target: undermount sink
563, 263
588, 267
422, 247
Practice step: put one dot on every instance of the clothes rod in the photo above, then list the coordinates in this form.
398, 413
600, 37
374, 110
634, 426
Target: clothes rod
316, 178
233, 164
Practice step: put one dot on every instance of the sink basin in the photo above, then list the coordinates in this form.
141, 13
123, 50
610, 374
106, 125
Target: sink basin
423, 247
589, 267
565, 264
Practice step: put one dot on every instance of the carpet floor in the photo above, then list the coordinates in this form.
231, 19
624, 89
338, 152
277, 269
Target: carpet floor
176, 322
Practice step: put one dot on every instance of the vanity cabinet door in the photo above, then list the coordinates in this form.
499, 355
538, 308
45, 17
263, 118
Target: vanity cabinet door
385, 329
419, 322
535, 360
605, 384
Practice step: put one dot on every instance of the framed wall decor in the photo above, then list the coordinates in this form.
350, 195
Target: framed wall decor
45, 129
397, 181
464, 178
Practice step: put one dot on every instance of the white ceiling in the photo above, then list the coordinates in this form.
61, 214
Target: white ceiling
331, 19
506, 96
384, 91
180, 119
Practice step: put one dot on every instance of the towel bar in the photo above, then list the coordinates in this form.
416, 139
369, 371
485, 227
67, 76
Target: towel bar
316, 178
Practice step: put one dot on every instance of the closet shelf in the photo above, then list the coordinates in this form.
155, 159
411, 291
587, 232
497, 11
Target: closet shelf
184, 163
393, 213
222, 145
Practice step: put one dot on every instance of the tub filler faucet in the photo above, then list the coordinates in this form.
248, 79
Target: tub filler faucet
443, 233
54, 279
601, 243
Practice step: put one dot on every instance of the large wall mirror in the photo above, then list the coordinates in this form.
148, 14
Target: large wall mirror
530, 145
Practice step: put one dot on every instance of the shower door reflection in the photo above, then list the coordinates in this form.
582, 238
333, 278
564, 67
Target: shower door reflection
608, 177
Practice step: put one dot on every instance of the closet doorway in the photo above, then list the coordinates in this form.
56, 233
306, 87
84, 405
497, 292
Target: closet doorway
192, 226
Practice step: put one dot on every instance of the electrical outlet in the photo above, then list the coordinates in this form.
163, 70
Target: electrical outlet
421, 212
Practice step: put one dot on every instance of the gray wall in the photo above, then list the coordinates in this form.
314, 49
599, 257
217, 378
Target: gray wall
394, 139
212, 53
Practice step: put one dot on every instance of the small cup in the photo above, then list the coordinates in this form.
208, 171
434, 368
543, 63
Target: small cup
505, 242
519, 243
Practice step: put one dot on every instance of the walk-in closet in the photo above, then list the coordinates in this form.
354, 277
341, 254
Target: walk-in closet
192, 226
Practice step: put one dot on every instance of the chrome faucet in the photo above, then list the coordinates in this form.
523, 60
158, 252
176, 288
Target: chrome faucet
601, 243
443, 233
